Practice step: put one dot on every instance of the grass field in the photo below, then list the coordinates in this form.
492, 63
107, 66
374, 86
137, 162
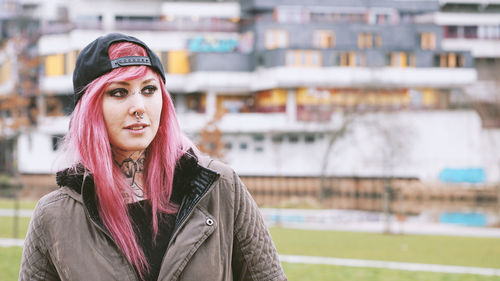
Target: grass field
446, 250
306, 272
10, 261
7, 227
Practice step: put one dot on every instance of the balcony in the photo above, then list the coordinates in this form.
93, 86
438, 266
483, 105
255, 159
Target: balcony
202, 25
220, 62
208, 25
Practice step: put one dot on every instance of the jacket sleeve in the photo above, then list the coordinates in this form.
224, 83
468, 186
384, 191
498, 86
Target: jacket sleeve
36, 263
254, 254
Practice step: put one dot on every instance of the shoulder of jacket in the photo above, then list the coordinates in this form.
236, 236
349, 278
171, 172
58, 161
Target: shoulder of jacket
56, 199
225, 171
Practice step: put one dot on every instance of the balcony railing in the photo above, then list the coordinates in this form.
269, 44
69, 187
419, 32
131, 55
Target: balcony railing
201, 26
214, 26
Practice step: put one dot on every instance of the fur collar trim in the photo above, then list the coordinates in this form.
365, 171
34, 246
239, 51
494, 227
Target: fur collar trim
186, 170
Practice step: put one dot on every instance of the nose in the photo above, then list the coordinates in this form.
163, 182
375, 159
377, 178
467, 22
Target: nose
136, 104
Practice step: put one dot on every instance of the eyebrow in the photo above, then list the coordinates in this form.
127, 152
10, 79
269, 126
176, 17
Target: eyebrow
126, 83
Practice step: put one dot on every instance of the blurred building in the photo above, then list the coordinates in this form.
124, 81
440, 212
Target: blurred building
474, 25
279, 78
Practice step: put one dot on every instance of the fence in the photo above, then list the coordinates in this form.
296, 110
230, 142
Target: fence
407, 195
11, 191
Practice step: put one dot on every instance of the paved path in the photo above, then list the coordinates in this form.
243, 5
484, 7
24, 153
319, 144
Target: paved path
362, 221
11, 212
10, 242
392, 265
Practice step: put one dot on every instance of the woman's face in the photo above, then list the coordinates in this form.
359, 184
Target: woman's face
123, 105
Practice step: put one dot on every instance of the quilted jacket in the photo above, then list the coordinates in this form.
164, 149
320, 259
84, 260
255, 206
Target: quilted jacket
219, 233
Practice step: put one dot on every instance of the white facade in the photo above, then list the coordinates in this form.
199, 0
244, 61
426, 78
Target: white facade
405, 144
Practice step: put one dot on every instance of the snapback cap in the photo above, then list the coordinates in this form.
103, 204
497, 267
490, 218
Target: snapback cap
93, 61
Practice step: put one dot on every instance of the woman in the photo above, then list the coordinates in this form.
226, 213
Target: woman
138, 203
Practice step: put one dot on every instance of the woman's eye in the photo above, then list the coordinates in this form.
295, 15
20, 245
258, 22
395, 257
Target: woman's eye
119, 93
149, 90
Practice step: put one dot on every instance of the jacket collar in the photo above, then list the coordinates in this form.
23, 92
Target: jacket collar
191, 182
186, 171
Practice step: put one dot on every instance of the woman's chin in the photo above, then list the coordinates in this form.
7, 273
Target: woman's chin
132, 147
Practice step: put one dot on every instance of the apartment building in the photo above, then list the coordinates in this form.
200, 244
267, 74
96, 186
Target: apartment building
280, 79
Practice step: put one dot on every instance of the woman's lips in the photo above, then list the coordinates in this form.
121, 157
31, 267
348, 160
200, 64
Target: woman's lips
136, 128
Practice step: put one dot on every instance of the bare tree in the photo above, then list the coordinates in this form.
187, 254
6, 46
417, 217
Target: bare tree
18, 107
211, 141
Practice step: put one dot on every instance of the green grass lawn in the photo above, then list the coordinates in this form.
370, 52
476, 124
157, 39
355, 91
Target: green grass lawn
307, 272
7, 227
448, 250
23, 204
10, 261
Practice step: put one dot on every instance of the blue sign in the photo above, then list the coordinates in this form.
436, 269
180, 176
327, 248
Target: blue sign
468, 219
200, 44
472, 175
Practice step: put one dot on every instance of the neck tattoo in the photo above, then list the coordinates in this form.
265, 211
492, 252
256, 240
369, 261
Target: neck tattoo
133, 170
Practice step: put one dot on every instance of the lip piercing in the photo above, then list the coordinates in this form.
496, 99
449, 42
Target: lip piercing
139, 116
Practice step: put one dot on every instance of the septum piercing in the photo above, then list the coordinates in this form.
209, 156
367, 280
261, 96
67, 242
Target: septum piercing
139, 116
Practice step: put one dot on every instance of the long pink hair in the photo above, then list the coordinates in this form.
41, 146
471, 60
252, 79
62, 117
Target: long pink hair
88, 139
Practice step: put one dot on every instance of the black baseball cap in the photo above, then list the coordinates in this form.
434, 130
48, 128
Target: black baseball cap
93, 61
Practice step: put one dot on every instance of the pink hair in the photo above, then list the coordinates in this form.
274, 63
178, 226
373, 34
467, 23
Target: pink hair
88, 138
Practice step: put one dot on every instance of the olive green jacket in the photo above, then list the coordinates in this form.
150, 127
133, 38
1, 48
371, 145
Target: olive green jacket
219, 235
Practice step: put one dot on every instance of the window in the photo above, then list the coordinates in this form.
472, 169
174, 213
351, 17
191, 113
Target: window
54, 65
196, 102
70, 61
488, 32
5, 71
293, 138
258, 138
234, 103
352, 59
277, 138
243, 146
56, 140
228, 145
378, 40
450, 31
402, 59
271, 100
367, 40
60, 64
309, 138
449, 60
303, 58
291, 14
323, 39
163, 57
276, 38
382, 19
178, 62
428, 41
470, 32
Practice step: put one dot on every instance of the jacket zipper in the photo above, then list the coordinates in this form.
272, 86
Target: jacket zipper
181, 223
